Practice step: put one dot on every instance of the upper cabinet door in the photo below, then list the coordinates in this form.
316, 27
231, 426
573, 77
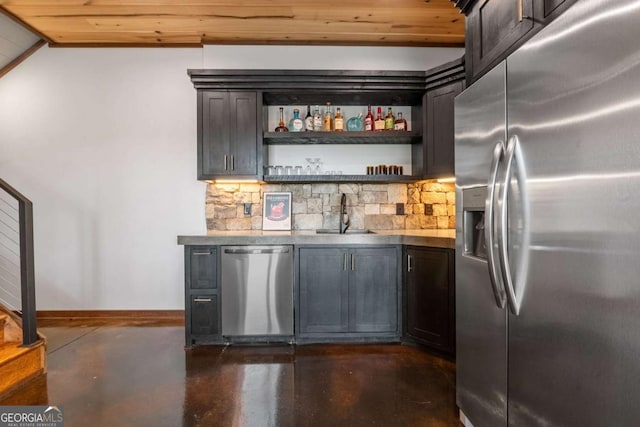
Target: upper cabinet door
227, 134
243, 133
439, 136
493, 26
213, 134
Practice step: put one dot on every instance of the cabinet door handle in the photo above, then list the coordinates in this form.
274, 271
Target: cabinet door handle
225, 162
520, 12
202, 300
200, 253
353, 263
409, 266
344, 262
233, 163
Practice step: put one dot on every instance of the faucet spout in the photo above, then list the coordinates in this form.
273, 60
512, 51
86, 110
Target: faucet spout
344, 218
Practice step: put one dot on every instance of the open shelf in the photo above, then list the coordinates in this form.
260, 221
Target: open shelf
381, 137
298, 179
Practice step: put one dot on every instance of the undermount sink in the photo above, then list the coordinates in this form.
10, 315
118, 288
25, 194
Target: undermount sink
331, 231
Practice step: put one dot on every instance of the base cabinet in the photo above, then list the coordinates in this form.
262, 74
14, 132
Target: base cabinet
430, 297
347, 293
202, 296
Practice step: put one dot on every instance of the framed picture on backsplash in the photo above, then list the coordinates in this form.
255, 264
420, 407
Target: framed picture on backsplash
276, 211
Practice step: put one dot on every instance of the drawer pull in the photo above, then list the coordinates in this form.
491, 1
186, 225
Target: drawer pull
202, 300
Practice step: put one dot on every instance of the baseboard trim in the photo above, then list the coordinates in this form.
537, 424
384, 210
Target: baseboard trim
110, 318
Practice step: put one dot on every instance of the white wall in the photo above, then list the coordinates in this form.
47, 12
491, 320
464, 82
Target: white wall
103, 141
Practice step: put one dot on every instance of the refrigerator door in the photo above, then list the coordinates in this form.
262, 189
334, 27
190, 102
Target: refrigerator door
574, 105
481, 360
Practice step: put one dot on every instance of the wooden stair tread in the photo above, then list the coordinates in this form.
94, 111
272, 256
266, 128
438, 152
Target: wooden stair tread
19, 365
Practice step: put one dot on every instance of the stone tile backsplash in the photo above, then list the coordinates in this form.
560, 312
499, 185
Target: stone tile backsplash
426, 204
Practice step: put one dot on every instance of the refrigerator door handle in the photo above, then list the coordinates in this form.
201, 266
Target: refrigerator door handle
492, 253
505, 264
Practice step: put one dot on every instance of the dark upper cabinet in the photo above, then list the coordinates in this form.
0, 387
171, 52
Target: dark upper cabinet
495, 28
492, 27
229, 144
347, 291
430, 297
439, 138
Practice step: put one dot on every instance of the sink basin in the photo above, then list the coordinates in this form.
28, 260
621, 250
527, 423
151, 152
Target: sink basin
331, 231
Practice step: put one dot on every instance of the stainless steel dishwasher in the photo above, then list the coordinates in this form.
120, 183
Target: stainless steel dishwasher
257, 292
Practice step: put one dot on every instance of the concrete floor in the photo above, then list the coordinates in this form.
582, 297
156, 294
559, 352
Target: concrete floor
142, 376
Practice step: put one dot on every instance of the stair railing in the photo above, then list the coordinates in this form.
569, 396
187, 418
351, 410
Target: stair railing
16, 223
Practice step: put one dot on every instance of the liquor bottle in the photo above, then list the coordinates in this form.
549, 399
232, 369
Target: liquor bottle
389, 120
338, 121
401, 123
378, 124
368, 121
281, 127
327, 125
308, 120
296, 124
317, 119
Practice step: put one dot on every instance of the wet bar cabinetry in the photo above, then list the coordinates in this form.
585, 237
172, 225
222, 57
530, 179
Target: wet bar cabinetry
495, 28
202, 296
348, 294
429, 288
236, 140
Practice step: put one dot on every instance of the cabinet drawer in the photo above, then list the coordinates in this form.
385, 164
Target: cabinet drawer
202, 264
204, 315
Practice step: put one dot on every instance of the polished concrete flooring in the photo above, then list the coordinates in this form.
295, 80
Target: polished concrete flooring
142, 376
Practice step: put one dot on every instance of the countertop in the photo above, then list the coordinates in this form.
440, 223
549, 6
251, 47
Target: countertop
430, 238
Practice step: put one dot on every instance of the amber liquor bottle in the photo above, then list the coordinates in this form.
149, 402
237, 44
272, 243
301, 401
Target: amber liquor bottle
389, 120
378, 124
281, 126
401, 123
338, 121
368, 120
327, 124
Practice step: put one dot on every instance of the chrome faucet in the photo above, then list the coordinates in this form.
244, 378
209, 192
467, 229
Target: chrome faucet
343, 214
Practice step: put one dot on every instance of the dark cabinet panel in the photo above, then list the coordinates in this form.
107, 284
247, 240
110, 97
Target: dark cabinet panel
348, 292
228, 139
202, 297
373, 291
440, 139
324, 291
550, 6
492, 27
430, 297
204, 315
203, 268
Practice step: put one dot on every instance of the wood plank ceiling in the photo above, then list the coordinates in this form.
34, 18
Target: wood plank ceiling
198, 22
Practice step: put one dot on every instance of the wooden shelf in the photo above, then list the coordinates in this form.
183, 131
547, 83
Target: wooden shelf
299, 179
310, 138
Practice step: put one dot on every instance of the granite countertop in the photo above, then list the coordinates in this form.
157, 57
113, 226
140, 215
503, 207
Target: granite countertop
431, 238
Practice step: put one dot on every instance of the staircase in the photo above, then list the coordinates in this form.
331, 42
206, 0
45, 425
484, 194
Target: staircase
22, 349
18, 364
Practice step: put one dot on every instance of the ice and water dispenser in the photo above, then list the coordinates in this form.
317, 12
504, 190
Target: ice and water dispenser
473, 205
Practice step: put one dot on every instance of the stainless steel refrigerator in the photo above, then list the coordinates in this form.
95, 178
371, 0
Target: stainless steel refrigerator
548, 230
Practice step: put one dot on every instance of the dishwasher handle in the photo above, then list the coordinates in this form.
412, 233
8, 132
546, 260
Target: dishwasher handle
257, 251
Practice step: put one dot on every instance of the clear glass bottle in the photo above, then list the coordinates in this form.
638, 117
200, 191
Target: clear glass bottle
368, 120
317, 119
401, 123
378, 124
308, 120
338, 121
327, 124
281, 126
389, 121
296, 124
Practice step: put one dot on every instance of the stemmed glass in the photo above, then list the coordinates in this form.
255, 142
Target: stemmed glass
313, 168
